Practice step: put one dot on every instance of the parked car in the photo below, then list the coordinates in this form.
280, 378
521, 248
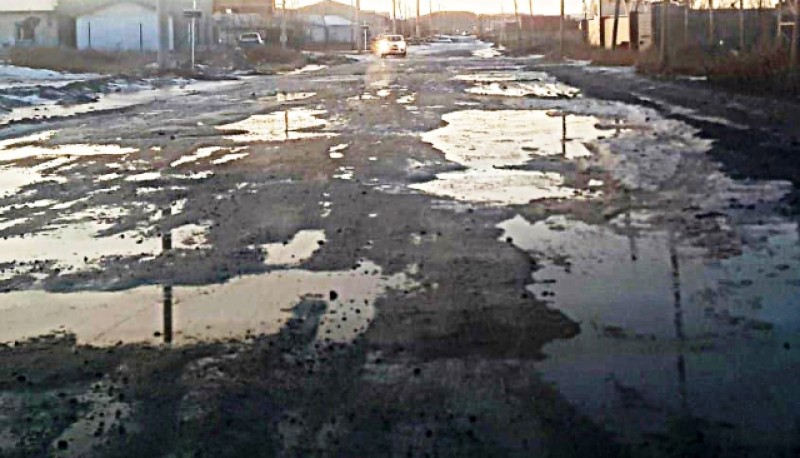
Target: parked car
390, 45
249, 40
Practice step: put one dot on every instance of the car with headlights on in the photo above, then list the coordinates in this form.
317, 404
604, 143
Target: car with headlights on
390, 45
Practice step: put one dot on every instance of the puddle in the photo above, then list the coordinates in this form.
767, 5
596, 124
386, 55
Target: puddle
294, 96
28, 147
230, 158
80, 241
517, 84
75, 246
296, 251
345, 173
407, 99
184, 315
477, 138
489, 53
311, 68
292, 124
201, 153
487, 141
540, 90
146, 176
500, 187
668, 331
12, 179
191, 236
360, 97
108, 102
336, 152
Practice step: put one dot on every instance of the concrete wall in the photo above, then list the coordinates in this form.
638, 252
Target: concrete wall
45, 34
336, 34
119, 27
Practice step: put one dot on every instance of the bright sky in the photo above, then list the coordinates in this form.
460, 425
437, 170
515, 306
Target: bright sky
545, 7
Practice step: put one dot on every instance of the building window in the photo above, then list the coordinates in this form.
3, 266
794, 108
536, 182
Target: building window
26, 30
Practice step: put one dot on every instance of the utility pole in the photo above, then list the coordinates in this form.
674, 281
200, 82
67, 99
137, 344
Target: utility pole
533, 21
615, 32
519, 22
561, 33
358, 27
602, 24
163, 34
665, 34
394, 17
711, 22
194, 32
686, 11
741, 26
430, 16
284, 37
795, 36
779, 34
417, 25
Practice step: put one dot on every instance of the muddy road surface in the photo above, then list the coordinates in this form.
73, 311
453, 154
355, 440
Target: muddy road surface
457, 254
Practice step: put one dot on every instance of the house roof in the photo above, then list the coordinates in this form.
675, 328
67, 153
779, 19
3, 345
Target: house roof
338, 8
79, 7
28, 5
74, 8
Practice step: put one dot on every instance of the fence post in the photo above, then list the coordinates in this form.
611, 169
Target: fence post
601, 24
687, 8
561, 32
741, 26
664, 34
615, 32
711, 22
778, 28
795, 35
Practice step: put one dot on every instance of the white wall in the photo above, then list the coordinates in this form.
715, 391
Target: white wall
119, 27
46, 33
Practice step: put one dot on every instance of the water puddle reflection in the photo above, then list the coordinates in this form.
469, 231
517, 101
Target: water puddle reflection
518, 84
185, 315
668, 330
295, 251
491, 143
292, 124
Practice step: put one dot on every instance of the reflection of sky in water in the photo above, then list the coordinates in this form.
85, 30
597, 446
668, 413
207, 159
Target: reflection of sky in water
291, 124
487, 142
648, 351
187, 314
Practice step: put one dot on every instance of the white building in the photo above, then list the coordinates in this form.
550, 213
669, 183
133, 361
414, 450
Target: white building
29, 23
122, 26
328, 29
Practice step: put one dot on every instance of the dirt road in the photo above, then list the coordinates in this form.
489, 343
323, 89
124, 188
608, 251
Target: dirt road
457, 254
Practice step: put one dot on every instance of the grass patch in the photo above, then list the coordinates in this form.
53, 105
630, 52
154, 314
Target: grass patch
760, 71
764, 70
548, 43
